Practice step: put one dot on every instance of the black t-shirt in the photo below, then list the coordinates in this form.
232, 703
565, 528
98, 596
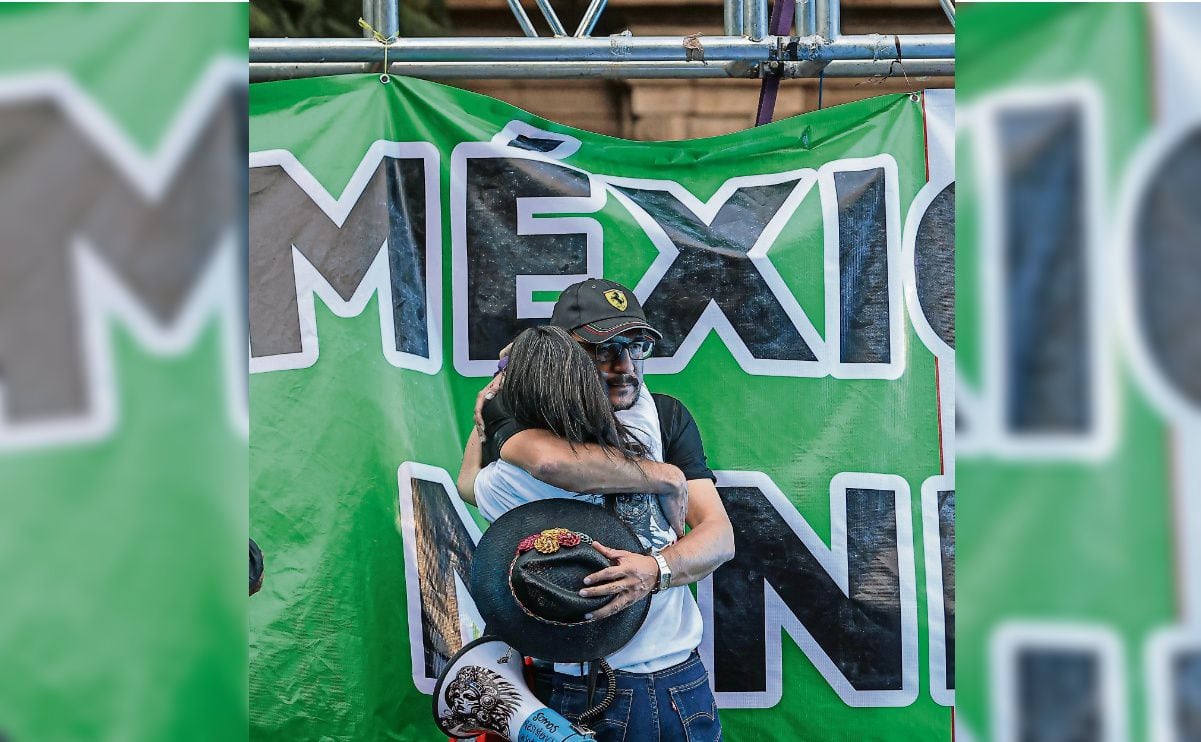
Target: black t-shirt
681, 439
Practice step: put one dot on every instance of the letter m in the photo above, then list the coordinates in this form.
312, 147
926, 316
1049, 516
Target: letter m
96, 229
381, 237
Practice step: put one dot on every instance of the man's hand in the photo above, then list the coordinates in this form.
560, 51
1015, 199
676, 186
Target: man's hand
482, 398
628, 581
488, 392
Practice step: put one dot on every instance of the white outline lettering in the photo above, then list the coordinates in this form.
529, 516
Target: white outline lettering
310, 283
834, 559
101, 296
1012, 637
468, 613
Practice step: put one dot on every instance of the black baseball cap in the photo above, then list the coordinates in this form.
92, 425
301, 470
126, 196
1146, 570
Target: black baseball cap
596, 310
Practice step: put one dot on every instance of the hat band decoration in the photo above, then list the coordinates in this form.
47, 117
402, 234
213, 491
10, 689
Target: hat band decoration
548, 542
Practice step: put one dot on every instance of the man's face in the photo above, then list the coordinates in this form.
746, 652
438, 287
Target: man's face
621, 374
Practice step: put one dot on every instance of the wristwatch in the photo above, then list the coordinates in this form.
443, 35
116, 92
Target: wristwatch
664, 572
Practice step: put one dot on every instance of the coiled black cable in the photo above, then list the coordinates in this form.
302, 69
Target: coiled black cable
610, 694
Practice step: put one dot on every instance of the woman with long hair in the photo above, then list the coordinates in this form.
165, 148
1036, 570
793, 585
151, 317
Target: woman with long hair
551, 383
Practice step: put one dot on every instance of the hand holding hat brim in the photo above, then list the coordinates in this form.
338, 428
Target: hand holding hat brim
630, 579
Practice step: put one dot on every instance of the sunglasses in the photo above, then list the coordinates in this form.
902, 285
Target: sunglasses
639, 349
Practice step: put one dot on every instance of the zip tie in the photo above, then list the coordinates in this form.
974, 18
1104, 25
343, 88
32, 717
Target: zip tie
387, 42
896, 64
879, 45
897, 40
694, 48
619, 44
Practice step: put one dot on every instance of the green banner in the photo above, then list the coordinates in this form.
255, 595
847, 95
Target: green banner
123, 418
402, 233
1077, 432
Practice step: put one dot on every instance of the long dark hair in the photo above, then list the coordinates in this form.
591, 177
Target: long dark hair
552, 383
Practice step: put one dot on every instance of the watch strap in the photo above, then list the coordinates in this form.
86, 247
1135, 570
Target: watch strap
664, 572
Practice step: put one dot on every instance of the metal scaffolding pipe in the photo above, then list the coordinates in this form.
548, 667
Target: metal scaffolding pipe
496, 50
879, 68
735, 17
556, 26
647, 49
512, 71
755, 19
828, 18
263, 72
384, 17
523, 20
806, 24
948, 8
882, 46
591, 16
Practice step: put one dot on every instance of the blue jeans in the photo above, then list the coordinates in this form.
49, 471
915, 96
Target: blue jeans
669, 706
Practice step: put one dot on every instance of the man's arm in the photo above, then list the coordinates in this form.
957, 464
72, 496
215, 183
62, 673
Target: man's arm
586, 467
578, 468
703, 549
710, 542
470, 469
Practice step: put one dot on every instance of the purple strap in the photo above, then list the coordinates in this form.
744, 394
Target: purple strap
779, 25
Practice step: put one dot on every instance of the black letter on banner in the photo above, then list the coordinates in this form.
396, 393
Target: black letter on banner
443, 548
1168, 260
1185, 703
861, 634
946, 551
934, 264
496, 254
1059, 695
713, 266
863, 266
283, 216
59, 188
1045, 296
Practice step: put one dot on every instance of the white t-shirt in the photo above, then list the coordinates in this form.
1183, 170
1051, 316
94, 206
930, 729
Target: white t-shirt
673, 624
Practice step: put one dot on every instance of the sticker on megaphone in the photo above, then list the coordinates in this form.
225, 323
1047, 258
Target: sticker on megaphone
482, 690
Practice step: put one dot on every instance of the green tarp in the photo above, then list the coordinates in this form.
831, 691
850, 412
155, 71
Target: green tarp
401, 233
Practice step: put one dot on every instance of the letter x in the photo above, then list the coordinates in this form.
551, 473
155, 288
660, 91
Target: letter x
720, 261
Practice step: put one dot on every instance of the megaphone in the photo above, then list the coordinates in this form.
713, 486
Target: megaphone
482, 690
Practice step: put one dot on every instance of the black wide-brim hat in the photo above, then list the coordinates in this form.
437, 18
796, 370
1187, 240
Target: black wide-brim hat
526, 582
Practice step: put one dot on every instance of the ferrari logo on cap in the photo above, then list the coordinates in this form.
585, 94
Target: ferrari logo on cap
617, 298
